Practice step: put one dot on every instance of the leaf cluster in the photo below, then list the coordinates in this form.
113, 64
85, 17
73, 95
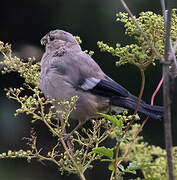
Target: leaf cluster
140, 54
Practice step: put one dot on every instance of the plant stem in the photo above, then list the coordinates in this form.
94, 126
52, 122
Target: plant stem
172, 56
116, 158
129, 126
80, 173
112, 175
138, 100
134, 137
141, 90
131, 122
156, 91
73, 161
167, 119
166, 89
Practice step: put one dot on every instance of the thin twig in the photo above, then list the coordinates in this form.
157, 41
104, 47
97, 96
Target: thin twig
117, 163
166, 91
155, 92
138, 100
135, 112
172, 48
130, 124
141, 91
134, 137
55, 133
80, 172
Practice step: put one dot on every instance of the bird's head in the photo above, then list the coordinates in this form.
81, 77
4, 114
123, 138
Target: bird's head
58, 38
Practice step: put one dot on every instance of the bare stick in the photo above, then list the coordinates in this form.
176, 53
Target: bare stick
166, 90
172, 48
138, 100
156, 91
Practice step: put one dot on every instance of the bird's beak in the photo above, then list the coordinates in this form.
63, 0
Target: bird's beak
44, 41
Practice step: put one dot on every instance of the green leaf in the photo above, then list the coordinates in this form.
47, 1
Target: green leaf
113, 119
103, 151
111, 167
134, 166
120, 123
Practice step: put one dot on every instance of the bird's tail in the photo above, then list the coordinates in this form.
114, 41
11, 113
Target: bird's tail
155, 112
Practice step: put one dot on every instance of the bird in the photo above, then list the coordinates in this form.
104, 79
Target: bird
67, 71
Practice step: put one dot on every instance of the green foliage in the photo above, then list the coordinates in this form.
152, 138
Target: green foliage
143, 153
140, 54
113, 119
104, 152
29, 71
149, 158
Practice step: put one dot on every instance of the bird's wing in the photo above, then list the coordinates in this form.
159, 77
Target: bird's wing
102, 87
85, 74
94, 80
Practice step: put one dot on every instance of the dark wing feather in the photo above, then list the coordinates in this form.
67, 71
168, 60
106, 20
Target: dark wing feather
106, 88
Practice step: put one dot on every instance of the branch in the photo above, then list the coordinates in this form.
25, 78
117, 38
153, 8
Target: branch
166, 89
172, 56
156, 91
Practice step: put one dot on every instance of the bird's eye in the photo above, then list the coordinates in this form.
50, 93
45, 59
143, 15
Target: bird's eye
52, 38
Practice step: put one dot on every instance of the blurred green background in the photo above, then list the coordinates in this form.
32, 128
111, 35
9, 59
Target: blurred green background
23, 24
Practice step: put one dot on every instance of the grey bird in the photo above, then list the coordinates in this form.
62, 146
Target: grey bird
67, 71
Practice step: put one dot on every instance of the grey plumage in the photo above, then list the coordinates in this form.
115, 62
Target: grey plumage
67, 71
